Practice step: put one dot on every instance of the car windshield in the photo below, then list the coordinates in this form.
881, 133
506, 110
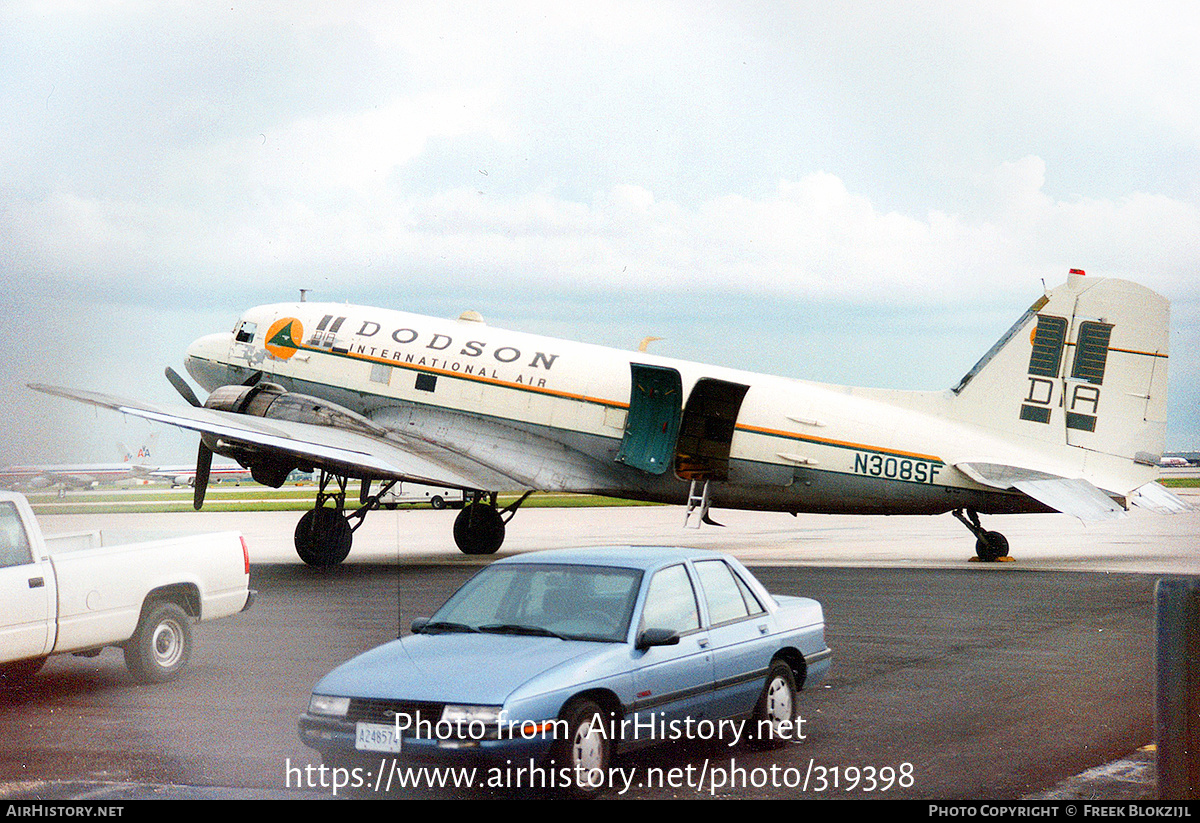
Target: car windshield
567, 601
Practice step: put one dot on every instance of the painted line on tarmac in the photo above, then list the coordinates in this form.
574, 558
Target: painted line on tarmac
99, 790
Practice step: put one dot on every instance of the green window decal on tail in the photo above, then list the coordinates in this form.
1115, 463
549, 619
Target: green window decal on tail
1045, 361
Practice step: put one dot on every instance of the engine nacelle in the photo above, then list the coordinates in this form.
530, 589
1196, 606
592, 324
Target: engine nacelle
272, 401
253, 400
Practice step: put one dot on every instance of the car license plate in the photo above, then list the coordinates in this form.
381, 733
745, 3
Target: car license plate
376, 737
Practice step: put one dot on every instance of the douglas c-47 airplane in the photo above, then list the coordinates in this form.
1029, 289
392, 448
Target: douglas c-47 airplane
1065, 413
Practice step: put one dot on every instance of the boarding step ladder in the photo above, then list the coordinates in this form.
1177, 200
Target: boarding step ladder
697, 502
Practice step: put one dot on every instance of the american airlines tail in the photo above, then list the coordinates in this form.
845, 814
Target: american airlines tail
140, 456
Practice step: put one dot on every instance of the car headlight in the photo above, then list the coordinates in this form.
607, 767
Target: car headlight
465, 715
329, 706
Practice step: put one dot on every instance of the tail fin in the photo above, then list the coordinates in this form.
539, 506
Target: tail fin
1084, 368
144, 453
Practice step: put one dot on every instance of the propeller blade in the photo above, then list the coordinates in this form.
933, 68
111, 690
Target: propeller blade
182, 387
200, 484
253, 379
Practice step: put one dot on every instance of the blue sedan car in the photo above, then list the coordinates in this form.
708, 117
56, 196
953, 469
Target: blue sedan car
565, 658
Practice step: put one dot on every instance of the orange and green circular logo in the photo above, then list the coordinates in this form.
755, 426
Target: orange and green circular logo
282, 337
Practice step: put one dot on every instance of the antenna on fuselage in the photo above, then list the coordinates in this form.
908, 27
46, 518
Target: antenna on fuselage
304, 292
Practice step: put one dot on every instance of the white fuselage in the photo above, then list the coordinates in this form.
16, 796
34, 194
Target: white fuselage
791, 445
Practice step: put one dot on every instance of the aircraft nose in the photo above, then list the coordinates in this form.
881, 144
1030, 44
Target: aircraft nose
205, 359
209, 347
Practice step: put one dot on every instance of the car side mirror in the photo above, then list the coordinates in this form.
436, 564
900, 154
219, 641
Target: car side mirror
418, 624
656, 637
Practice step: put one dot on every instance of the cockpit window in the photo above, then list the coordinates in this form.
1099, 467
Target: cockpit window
245, 332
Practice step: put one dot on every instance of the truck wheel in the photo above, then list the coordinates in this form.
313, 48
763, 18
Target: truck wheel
17, 672
162, 645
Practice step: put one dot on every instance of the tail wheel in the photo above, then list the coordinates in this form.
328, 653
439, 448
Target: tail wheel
991, 546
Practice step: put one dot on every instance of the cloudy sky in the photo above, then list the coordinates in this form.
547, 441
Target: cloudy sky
865, 193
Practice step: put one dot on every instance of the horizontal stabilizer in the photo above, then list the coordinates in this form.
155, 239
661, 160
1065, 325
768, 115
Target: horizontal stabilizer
1076, 497
1158, 499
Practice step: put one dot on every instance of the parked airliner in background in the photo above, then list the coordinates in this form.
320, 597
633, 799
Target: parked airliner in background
135, 465
66, 476
186, 475
136, 468
1065, 413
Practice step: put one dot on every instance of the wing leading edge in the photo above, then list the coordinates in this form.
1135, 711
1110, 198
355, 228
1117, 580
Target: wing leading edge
345, 452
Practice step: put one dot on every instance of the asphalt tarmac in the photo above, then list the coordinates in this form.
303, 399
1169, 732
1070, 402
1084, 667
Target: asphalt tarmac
954, 679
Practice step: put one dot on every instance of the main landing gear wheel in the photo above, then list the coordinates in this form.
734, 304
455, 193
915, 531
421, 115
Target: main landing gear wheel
323, 537
479, 529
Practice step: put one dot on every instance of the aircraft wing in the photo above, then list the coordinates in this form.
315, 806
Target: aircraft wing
392, 457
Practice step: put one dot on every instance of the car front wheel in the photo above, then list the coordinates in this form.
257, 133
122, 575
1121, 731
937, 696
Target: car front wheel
584, 757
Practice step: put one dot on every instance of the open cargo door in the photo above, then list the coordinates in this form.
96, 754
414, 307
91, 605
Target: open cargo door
652, 426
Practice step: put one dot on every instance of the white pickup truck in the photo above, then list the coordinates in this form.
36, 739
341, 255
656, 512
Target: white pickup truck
142, 597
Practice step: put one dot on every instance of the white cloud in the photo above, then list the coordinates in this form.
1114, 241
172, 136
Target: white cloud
891, 153
347, 157
810, 237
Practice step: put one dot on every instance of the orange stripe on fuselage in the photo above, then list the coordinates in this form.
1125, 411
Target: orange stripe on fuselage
824, 441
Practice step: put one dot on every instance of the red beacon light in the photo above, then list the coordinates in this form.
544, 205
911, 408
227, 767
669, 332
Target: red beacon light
1080, 272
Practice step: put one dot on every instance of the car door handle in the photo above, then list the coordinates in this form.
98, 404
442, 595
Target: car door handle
36, 582
702, 642
762, 628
